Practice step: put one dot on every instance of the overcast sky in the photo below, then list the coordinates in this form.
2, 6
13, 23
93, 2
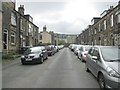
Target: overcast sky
64, 16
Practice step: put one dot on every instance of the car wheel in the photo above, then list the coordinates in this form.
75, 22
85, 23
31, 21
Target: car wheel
77, 56
101, 81
41, 61
81, 59
51, 54
46, 57
86, 68
23, 63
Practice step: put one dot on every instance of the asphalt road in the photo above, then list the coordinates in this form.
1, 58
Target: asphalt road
63, 70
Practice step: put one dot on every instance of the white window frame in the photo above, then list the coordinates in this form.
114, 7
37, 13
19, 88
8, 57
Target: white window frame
105, 26
95, 41
99, 27
13, 35
105, 42
118, 39
29, 28
21, 24
89, 33
111, 19
100, 42
95, 31
13, 19
118, 18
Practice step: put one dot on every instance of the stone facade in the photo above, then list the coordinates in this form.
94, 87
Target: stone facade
71, 39
45, 37
18, 29
105, 30
9, 26
0, 26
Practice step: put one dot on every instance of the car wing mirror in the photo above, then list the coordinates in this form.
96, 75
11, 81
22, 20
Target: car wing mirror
44, 51
94, 57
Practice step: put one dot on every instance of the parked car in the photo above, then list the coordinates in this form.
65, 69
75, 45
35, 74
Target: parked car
71, 47
83, 52
57, 48
60, 47
50, 50
77, 49
34, 55
104, 63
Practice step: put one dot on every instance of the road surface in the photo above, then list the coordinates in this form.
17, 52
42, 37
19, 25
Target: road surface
63, 70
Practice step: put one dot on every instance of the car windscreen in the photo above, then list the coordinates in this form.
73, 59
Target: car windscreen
49, 48
33, 50
87, 48
110, 53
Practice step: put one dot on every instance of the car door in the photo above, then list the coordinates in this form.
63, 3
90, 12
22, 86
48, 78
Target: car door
89, 59
95, 60
81, 50
44, 53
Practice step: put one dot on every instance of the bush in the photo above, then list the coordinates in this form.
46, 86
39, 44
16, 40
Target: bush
7, 56
10, 55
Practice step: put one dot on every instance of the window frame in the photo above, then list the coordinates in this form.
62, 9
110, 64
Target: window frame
13, 36
105, 24
111, 20
118, 18
13, 19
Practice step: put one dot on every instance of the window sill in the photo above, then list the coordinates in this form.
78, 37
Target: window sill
13, 44
13, 25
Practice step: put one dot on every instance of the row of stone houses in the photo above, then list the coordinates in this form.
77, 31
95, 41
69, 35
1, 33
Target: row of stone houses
52, 38
105, 30
45, 37
18, 29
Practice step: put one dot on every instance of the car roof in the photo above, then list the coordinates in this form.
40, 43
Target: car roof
104, 46
40, 47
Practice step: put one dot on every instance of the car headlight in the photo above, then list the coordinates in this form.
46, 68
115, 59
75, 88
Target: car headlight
112, 72
36, 56
41, 55
22, 56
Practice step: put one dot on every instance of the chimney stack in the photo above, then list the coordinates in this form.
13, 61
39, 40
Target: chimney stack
21, 9
44, 28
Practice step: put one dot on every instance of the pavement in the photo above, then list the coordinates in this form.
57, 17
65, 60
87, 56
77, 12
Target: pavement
63, 70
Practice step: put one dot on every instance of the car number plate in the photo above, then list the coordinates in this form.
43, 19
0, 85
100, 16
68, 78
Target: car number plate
29, 59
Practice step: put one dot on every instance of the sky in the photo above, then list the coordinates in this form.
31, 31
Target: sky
64, 16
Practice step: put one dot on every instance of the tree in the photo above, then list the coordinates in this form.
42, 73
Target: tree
61, 42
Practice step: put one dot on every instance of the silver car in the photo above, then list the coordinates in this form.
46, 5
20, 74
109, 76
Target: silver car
83, 52
77, 49
104, 63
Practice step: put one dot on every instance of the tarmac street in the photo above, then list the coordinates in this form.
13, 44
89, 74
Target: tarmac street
63, 70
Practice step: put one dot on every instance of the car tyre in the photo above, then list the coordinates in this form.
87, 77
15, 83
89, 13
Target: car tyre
101, 81
86, 68
23, 63
46, 57
82, 59
41, 60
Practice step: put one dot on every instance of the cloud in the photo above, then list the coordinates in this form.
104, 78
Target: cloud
66, 16
42, 7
